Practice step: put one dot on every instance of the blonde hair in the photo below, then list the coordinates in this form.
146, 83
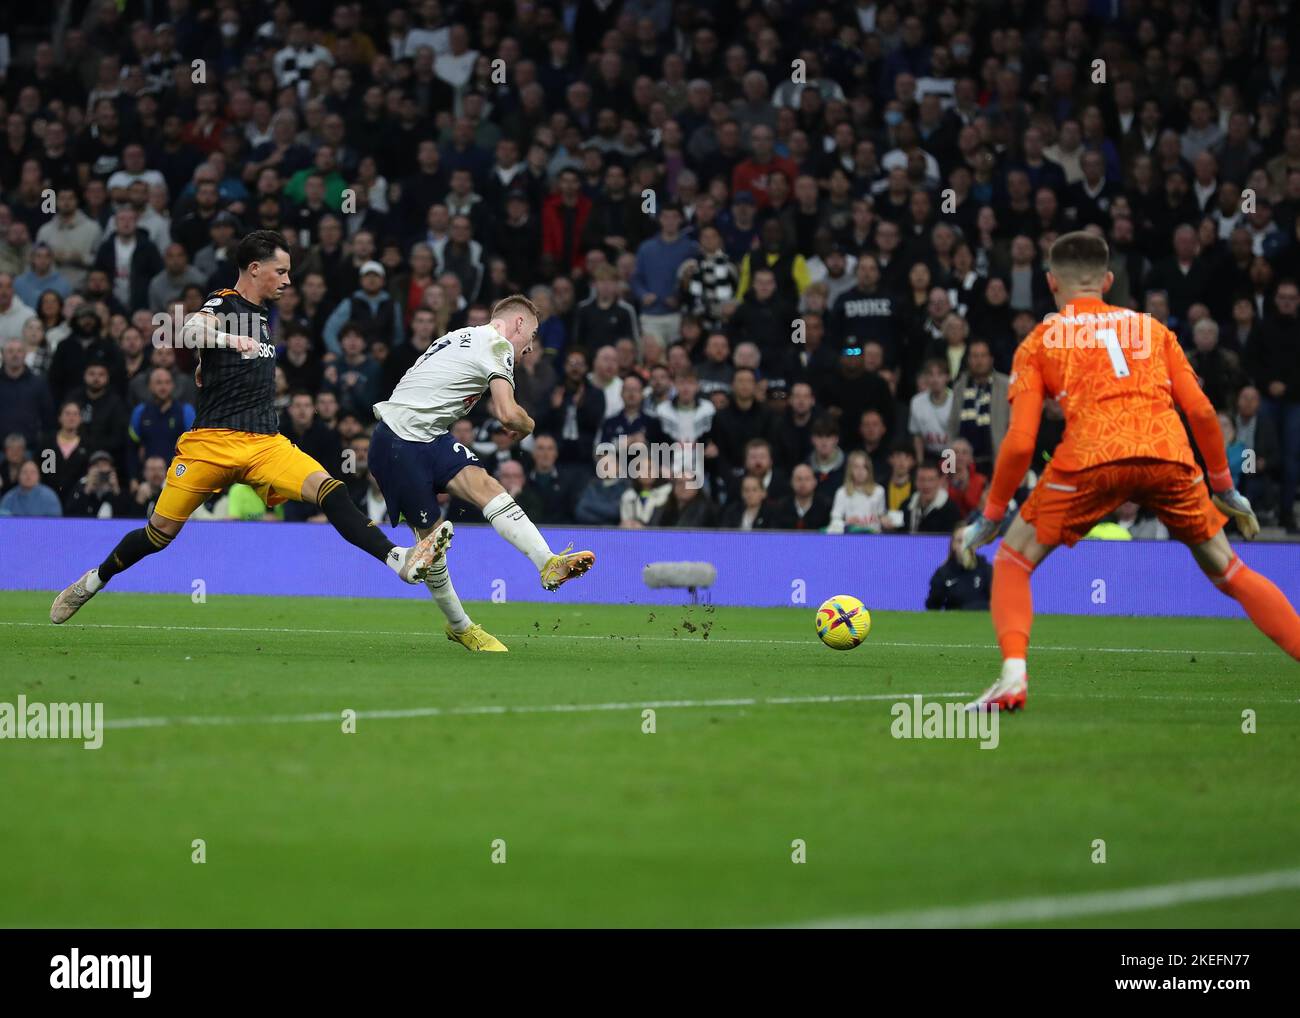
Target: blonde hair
859, 456
515, 302
441, 314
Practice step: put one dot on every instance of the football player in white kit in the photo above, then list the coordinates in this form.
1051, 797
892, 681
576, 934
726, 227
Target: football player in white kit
414, 457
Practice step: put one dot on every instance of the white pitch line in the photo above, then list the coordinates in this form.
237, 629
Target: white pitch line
641, 639
1070, 906
1178, 697
496, 709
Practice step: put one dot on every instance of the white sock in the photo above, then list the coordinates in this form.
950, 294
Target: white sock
513, 524
1013, 668
444, 594
396, 559
93, 583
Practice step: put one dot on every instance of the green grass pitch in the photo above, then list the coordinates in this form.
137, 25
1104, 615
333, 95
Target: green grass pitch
229, 730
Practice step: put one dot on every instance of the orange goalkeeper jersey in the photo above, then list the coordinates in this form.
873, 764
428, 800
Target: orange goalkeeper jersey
1114, 372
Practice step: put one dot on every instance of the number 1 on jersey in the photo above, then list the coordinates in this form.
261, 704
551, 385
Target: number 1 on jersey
1110, 339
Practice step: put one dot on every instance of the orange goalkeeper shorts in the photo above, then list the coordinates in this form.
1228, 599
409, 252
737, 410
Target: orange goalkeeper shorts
209, 460
1067, 504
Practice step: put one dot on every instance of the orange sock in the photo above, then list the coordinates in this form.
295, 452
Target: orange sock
1267, 606
1012, 601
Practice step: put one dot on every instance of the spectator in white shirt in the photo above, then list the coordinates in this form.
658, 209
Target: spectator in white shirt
293, 64
156, 216
604, 376
134, 167
457, 64
645, 499
404, 40
1141, 527
14, 313
860, 504
73, 237
927, 420
686, 418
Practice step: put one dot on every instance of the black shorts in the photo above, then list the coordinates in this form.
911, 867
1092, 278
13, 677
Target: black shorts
411, 475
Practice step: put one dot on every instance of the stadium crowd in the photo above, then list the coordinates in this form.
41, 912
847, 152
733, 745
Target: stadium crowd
804, 239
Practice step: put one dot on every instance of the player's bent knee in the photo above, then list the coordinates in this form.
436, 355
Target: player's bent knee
1213, 556
1022, 538
311, 486
168, 526
474, 484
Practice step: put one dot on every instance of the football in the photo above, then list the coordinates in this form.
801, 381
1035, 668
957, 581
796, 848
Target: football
843, 622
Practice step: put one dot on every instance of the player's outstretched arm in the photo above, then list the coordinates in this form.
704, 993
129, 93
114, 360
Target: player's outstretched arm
202, 331
507, 411
1013, 462
1204, 423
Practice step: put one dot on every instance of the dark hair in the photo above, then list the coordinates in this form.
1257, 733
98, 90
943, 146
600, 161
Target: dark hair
824, 426
259, 246
1080, 254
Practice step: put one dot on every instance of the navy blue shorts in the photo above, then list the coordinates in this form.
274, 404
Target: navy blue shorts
411, 475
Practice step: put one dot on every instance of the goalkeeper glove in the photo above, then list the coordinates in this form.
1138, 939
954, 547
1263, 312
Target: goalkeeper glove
979, 531
1236, 505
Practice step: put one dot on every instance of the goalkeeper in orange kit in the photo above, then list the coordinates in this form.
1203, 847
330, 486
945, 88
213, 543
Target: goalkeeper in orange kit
1120, 378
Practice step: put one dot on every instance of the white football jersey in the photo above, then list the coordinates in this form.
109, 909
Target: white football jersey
444, 384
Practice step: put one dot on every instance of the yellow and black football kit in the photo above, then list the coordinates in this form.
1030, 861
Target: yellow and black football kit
234, 439
236, 436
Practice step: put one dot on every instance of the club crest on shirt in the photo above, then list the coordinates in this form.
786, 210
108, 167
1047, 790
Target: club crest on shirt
180, 469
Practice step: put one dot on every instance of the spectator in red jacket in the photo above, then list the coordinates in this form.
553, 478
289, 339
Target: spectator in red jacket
205, 130
965, 483
752, 175
564, 216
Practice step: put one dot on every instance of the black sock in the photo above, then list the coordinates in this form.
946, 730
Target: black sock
131, 549
347, 519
